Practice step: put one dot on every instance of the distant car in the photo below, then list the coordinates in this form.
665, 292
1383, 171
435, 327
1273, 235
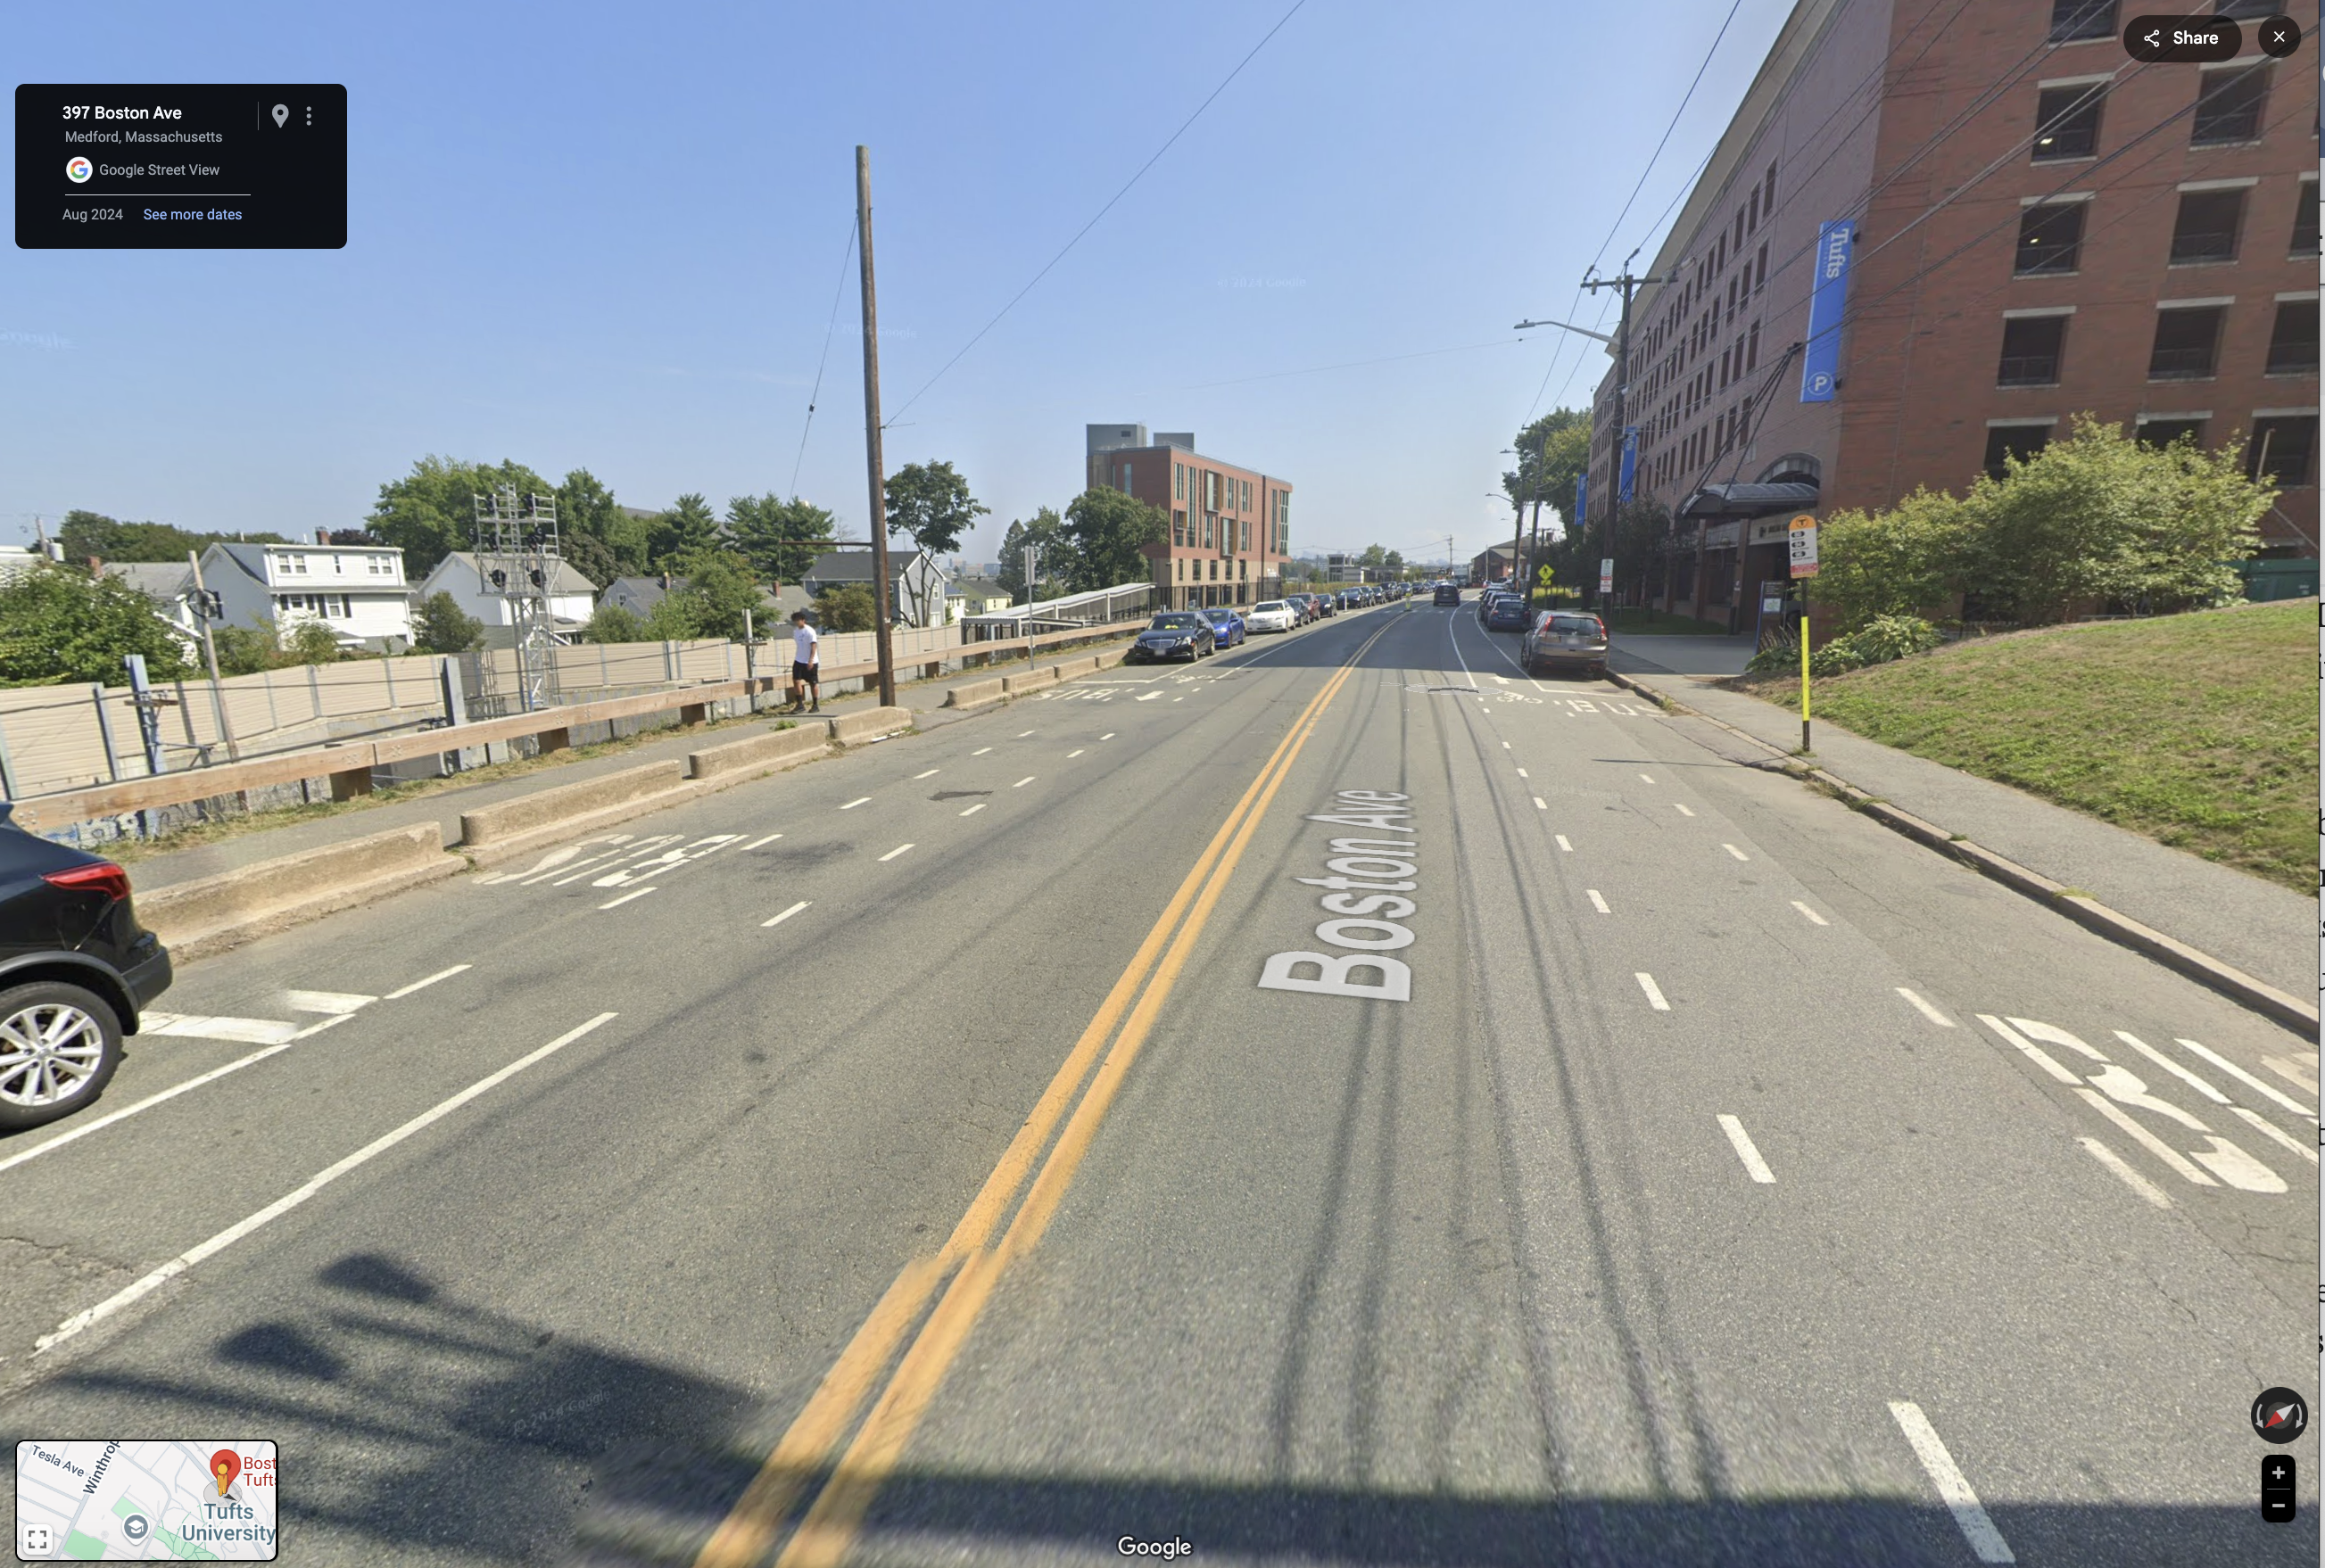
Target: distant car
1226, 626
1173, 634
1271, 615
1565, 640
1508, 614
76, 971
1352, 599
1447, 594
1311, 605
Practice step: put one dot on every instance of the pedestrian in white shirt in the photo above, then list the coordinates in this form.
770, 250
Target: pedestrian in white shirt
805, 696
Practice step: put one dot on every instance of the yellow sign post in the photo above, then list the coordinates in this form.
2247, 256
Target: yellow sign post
1800, 537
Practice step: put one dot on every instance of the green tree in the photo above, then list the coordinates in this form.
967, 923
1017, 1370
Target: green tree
1107, 530
443, 627
1044, 533
2098, 518
245, 650
431, 510
773, 534
309, 641
1908, 560
932, 503
1373, 555
84, 534
57, 625
1392, 563
690, 525
720, 588
848, 608
613, 624
598, 535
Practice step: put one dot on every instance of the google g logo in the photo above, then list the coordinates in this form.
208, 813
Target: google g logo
78, 169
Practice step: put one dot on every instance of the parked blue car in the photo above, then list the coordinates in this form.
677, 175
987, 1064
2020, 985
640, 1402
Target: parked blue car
1226, 626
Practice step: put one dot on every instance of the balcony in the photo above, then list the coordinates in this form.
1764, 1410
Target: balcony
2028, 370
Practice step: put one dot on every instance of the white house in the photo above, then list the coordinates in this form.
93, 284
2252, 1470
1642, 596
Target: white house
169, 584
573, 597
357, 591
916, 596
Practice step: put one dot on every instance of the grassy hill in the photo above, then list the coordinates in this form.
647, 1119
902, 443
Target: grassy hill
2198, 731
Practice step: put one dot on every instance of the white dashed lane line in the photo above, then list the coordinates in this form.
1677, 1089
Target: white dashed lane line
893, 853
761, 843
401, 991
1681, 807
1738, 854
930, 774
1563, 843
626, 898
1540, 804
973, 810
1814, 918
1925, 1010
1523, 774
786, 915
980, 750
1953, 1488
852, 805
1024, 735
1107, 736
1746, 1150
1655, 993
1021, 783
1598, 900
1077, 751
1647, 778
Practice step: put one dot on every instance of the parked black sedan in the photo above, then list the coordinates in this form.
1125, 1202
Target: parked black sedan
75, 970
1173, 634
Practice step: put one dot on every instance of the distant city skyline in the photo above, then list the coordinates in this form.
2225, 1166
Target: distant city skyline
625, 256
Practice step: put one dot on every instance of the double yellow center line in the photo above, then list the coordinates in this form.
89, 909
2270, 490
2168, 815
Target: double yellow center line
966, 1266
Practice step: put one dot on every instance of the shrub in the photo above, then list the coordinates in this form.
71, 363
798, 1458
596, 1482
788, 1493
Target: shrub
1880, 641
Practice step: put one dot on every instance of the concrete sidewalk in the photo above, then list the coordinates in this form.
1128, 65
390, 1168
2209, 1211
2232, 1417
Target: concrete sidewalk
2266, 930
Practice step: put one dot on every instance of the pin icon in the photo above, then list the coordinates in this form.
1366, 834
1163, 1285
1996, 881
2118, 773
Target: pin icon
281, 112
225, 1464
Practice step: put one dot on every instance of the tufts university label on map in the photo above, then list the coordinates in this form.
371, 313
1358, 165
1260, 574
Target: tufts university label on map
207, 1499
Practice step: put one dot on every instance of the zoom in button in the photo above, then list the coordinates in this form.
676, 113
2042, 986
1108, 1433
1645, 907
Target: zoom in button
2182, 40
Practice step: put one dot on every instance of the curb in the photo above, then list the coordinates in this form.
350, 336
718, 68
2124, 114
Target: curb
2246, 991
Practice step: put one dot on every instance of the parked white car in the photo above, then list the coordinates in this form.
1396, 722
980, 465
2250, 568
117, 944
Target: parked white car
1271, 615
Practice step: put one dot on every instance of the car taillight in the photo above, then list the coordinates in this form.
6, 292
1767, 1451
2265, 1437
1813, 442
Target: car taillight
102, 877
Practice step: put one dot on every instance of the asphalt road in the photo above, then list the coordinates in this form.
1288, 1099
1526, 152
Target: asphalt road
899, 1161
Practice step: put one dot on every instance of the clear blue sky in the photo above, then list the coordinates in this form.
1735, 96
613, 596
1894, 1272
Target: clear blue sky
608, 235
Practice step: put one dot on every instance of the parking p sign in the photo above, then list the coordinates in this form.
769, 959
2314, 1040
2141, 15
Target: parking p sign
1800, 533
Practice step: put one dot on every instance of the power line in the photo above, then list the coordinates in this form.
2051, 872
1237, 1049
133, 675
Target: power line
1669, 128
1102, 211
838, 288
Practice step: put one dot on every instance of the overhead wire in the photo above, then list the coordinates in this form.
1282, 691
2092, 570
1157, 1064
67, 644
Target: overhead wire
1102, 211
1672, 125
838, 289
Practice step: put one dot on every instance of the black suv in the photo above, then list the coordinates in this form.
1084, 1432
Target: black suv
76, 969
1447, 594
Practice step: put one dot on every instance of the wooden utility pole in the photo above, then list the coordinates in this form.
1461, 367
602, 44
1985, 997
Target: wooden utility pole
875, 470
1627, 283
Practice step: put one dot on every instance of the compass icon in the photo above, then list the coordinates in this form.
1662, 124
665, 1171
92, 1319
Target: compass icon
2279, 1416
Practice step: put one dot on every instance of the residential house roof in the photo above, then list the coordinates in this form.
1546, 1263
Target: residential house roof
565, 581
159, 581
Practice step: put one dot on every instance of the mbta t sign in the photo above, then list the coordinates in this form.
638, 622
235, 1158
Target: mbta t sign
1801, 534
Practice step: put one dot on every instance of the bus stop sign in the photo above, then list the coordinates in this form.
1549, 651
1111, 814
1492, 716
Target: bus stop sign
1800, 533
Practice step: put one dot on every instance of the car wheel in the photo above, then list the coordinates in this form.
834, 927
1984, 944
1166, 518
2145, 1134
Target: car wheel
58, 1047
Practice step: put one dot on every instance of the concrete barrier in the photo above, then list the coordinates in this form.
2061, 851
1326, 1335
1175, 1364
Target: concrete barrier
211, 914
976, 693
1032, 680
1111, 658
760, 754
855, 729
492, 833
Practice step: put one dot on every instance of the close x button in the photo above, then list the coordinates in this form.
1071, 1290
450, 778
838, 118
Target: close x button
2179, 40
2280, 36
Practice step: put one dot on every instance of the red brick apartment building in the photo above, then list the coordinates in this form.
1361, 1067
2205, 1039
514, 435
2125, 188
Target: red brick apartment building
1230, 527
2042, 226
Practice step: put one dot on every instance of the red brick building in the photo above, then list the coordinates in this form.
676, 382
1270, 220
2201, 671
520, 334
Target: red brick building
2043, 226
1230, 527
